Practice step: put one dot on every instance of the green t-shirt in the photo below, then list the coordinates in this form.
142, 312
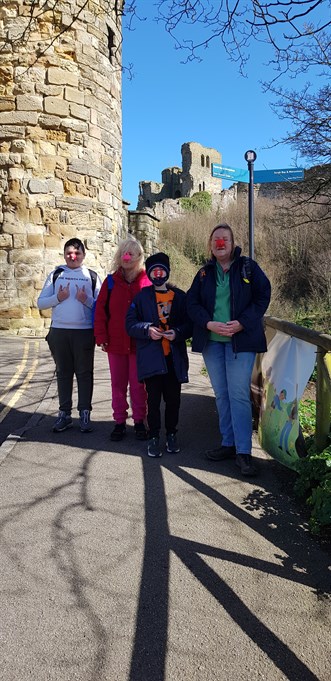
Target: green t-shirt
222, 303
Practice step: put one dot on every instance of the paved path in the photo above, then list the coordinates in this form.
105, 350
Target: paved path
115, 567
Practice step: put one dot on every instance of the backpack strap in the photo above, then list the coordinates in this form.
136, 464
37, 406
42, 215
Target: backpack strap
93, 276
110, 285
246, 270
56, 273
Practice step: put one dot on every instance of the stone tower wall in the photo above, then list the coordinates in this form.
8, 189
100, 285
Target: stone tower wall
196, 172
60, 147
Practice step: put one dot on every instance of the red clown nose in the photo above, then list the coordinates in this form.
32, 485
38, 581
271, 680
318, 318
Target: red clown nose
220, 243
73, 256
126, 257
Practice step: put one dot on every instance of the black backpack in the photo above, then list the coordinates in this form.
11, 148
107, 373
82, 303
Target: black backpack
93, 276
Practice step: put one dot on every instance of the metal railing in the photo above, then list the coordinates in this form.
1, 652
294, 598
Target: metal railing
322, 341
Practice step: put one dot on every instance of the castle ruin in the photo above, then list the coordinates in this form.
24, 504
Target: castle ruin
194, 176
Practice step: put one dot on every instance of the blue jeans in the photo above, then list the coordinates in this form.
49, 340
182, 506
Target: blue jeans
230, 376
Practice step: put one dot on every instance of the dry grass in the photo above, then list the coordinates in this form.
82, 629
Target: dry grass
295, 258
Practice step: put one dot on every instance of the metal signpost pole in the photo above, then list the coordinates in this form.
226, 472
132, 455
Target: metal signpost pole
250, 157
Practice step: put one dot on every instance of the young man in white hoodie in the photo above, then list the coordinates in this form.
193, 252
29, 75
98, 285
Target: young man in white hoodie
70, 290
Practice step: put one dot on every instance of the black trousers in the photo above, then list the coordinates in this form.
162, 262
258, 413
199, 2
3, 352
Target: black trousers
168, 387
73, 354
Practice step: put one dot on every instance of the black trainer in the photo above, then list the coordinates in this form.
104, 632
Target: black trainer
140, 430
246, 465
221, 453
153, 448
118, 432
172, 443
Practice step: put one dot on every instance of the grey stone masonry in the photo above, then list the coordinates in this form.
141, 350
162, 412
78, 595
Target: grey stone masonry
60, 146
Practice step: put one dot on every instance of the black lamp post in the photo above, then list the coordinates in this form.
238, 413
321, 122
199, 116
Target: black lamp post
250, 157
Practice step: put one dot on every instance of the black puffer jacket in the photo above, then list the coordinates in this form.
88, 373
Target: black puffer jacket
150, 356
249, 298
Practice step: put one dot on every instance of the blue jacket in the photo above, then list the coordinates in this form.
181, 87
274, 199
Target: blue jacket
248, 300
150, 356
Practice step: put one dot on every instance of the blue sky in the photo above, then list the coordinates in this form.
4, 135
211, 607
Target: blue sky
168, 103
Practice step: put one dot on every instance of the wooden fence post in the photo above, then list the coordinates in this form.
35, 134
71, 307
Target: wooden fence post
323, 401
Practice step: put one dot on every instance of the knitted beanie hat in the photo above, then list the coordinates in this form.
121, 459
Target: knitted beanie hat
158, 260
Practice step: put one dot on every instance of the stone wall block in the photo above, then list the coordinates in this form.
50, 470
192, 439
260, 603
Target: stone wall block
18, 118
71, 124
29, 161
19, 240
56, 105
58, 76
7, 103
50, 121
49, 90
35, 216
11, 131
35, 74
6, 271
38, 187
74, 95
35, 240
52, 241
6, 241
29, 103
79, 111
18, 146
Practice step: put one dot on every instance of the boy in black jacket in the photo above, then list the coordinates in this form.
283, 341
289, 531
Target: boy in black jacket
158, 320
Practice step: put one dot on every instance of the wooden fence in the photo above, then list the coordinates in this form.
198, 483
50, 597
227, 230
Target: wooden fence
322, 341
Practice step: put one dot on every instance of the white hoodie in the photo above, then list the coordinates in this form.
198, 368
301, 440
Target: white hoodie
70, 313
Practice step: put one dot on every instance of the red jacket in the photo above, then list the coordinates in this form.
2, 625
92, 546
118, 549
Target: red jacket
111, 328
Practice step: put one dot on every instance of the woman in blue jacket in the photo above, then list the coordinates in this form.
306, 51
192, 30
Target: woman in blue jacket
227, 301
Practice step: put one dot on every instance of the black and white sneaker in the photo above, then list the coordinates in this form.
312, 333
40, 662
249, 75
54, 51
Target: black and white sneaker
153, 448
84, 421
62, 422
172, 444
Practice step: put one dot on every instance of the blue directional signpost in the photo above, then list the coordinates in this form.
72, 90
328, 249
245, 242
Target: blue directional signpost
255, 177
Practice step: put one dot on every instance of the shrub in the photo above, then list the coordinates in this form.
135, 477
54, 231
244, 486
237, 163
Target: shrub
314, 485
200, 202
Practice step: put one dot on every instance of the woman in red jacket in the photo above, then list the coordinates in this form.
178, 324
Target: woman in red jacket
116, 295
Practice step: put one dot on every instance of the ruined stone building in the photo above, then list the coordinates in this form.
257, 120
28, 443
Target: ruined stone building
194, 176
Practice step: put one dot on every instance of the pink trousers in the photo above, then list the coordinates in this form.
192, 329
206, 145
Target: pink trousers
123, 373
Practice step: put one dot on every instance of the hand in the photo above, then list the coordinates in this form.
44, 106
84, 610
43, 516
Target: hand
169, 335
155, 333
63, 292
81, 294
227, 329
104, 347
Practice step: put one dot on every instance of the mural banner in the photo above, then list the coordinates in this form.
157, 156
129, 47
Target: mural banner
286, 369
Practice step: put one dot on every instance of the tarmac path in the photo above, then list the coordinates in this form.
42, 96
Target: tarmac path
116, 567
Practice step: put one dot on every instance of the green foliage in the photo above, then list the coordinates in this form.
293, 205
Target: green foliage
307, 416
314, 485
200, 202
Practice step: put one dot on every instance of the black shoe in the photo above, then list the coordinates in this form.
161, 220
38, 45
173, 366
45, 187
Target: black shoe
62, 422
153, 448
84, 421
246, 465
172, 444
221, 453
118, 432
140, 430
